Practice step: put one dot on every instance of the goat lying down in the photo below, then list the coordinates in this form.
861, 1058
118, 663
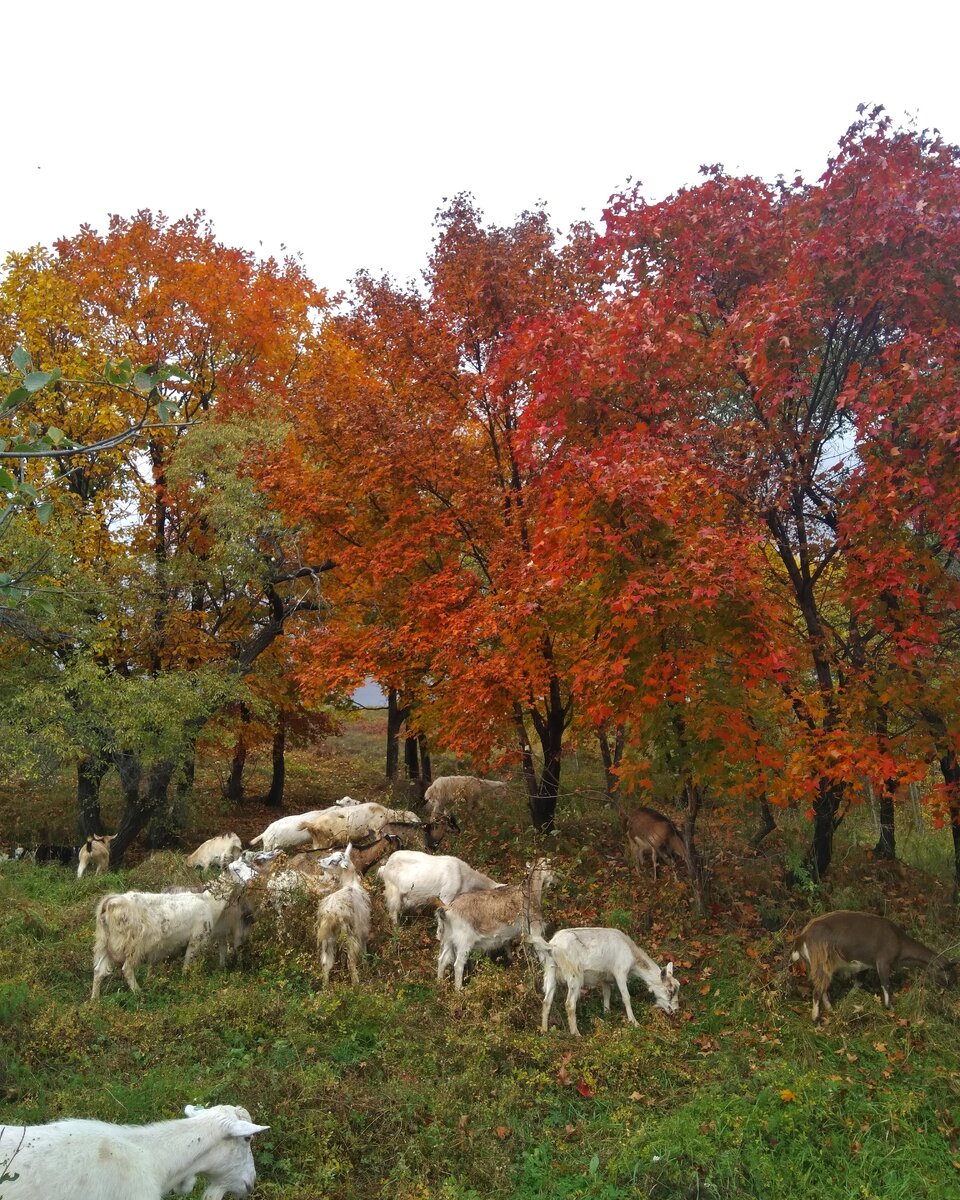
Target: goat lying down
849, 942
94, 1160
588, 956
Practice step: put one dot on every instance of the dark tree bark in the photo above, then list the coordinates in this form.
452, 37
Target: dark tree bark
767, 823
396, 715
611, 754
950, 766
426, 769
170, 812
138, 810
411, 756
274, 797
550, 725
694, 800
234, 789
886, 846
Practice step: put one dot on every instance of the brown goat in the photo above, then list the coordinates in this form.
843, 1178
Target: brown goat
649, 831
846, 941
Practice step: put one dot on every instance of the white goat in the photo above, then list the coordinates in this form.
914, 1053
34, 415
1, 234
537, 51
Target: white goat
94, 1160
286, 832
583, 957
448, 790
489, 920
338, 826
412, 879
344, 915
134, 927
216, 852
95, 852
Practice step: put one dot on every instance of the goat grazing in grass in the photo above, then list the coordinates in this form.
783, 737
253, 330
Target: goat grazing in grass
135, 927
650, 832
95, 853
466, 790
845, 942
216, 852
412, 879
584, 957
94, 1160
490, 919
344, 916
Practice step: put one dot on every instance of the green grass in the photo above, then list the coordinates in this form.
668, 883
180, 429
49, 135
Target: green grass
401, 1089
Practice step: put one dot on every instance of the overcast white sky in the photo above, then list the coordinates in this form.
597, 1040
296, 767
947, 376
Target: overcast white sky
337, 130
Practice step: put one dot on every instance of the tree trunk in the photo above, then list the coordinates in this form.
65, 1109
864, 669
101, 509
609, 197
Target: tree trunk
138, 810
886, 846
234, 789
426, 770
274, 797
767, 823
825, 821
612, 755
950, 766
396, 715
90, 773
694, 799
170, 813
411, 756
542, 794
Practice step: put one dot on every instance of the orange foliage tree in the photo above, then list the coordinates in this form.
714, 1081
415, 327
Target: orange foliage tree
406, 463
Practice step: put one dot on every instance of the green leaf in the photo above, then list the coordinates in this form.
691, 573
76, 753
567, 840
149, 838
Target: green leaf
54, 435
165, 409
21, 359
17, 396
5, 580
7, 481
144, 382
35, 380
118, 373
43, 511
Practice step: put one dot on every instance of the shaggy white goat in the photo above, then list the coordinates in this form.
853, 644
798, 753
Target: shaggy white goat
94, 1160
134, 927
467, 790
412, 879
338, 826
343, 915
583, 957
216, 852
489, 920
95, 853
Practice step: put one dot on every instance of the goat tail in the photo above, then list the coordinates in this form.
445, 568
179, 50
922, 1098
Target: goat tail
257, 841
326, 927
823, 960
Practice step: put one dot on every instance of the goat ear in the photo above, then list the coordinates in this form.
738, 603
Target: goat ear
454, 823
244, 1128
668, 971
193, 1110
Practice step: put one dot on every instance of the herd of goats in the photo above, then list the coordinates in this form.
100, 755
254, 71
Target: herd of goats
92, 1160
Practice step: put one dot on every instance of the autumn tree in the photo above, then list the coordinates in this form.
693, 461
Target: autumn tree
190, 597
408, 466
777, 338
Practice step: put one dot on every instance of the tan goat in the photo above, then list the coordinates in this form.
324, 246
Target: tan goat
849, 942
650, 832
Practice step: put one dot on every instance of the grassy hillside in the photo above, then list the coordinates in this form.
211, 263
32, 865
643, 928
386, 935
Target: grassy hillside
403, 1089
